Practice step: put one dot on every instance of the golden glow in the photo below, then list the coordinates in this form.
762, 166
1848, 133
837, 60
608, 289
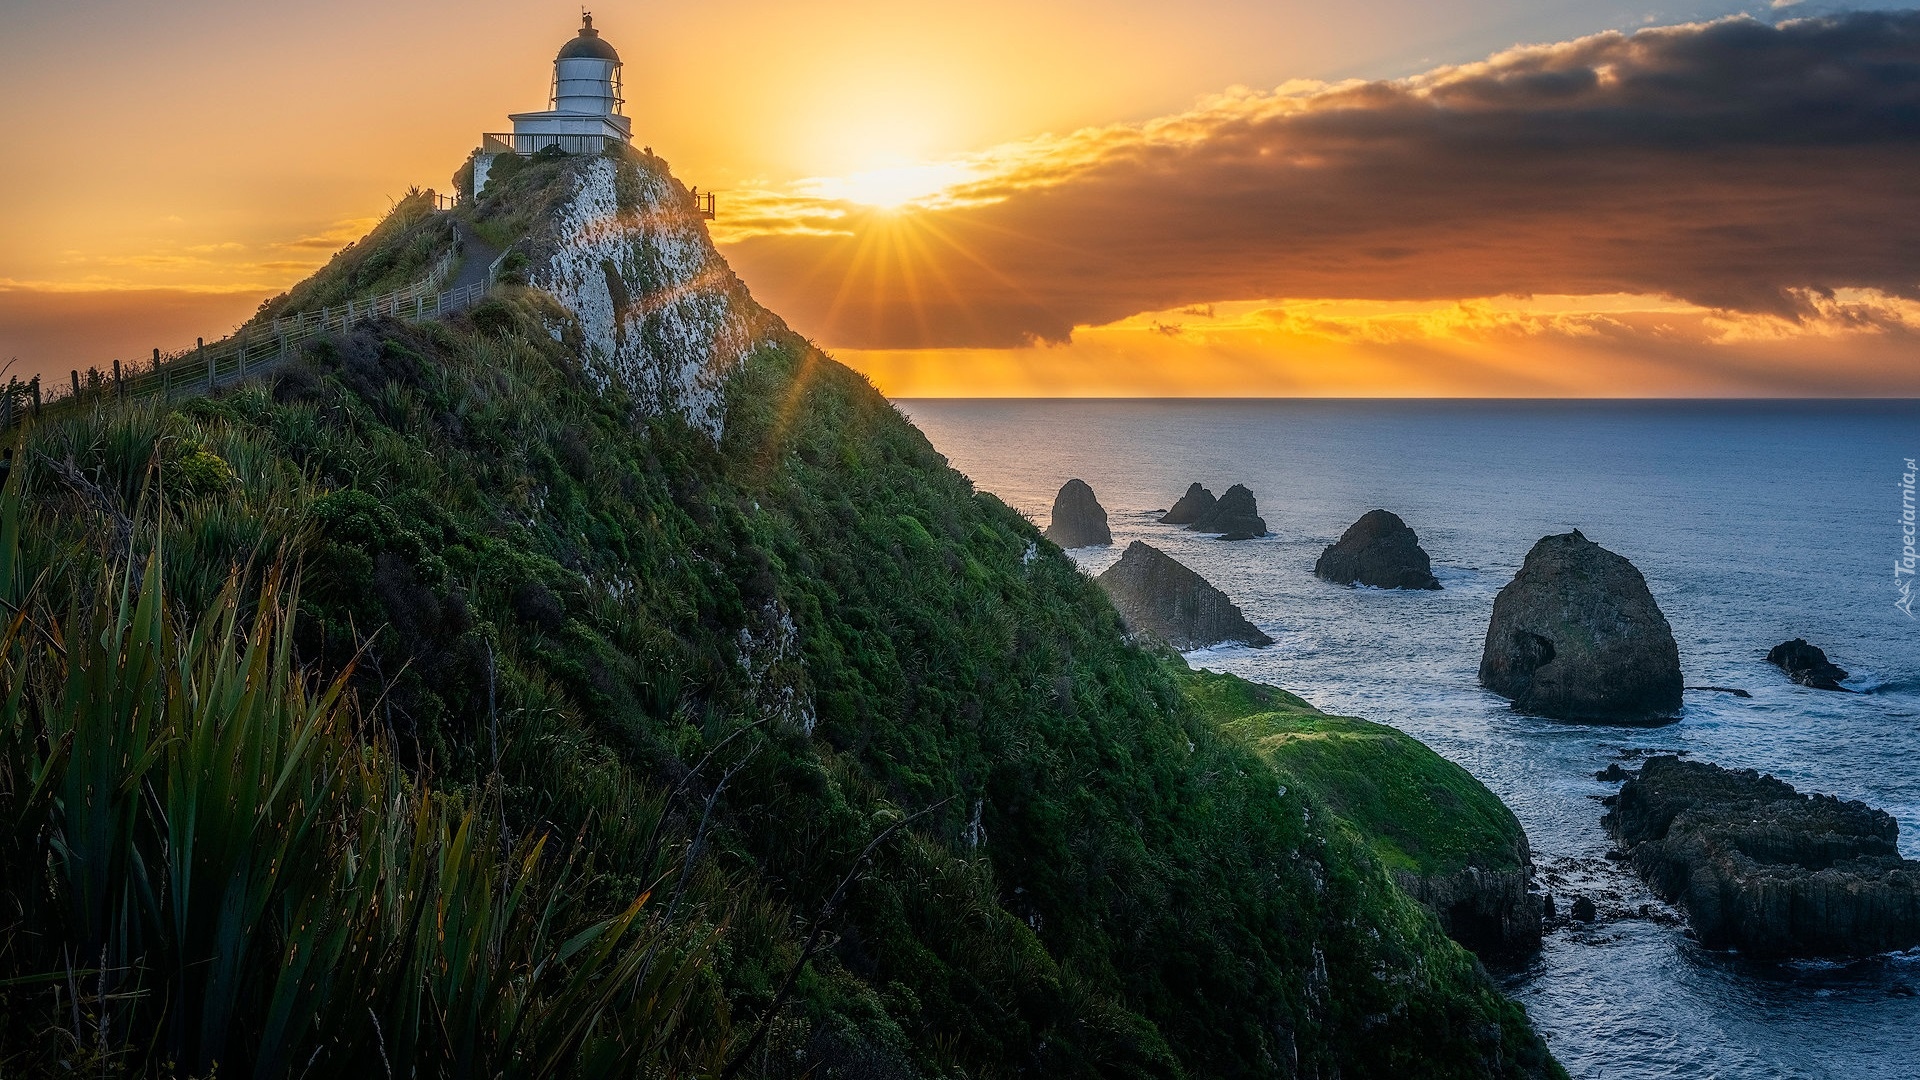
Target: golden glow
1547, 346
215, 184
889, 188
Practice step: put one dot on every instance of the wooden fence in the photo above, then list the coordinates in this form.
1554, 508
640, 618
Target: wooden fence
256, 348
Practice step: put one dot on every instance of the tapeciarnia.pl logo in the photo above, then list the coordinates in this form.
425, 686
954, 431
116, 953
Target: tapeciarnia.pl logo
1903, 566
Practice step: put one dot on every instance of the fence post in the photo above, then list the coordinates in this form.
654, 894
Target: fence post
36, 396
76, 382
200, 350
119, 388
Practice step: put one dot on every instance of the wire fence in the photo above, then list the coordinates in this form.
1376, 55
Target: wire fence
254, 350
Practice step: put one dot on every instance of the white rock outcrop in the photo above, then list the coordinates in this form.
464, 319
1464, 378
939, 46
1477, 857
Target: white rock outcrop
661, 313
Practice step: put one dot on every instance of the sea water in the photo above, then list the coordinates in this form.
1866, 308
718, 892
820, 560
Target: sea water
1752, 522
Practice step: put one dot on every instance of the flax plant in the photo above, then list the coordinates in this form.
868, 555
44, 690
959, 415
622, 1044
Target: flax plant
223, 877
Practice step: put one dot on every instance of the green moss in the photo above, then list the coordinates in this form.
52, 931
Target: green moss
1414, 809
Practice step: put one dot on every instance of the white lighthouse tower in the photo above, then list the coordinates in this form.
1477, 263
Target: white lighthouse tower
584, 114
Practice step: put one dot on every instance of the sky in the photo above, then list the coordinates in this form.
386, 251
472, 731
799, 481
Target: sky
1015, 197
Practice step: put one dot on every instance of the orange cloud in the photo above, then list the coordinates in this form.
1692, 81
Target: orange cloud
1735, 166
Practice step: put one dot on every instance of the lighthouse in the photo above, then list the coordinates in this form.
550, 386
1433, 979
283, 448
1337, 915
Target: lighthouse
584, 109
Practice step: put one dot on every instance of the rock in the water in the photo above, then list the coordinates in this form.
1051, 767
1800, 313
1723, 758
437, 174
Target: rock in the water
1612, 774
1807, 665
1078, 518
1235, 516
1576, 636
1378, 550
1197, 503
1734, 690
1584, 910
1160, 598
1764, 869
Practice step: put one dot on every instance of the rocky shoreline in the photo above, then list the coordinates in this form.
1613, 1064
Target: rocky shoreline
1762, 868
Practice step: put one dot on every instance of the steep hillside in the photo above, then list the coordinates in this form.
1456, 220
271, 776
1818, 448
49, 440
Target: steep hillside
617, 557
1446, 839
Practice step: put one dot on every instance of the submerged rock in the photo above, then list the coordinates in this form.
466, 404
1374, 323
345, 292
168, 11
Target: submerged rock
1078, 518
1197, 503
1577, 636
1764, 869
1807, 665
1162, 599
1236, 516
1378, 550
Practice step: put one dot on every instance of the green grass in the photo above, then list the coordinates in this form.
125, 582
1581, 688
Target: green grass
1416, 810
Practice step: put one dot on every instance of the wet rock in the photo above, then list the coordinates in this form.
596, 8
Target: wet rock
1378, 550
1236, 516
1807, 665
1547, 907
1734, 690
1162, 599
1612, 774
1584, 910
1490, 911
1197, 503
1762, 868
1078, 518
1577, 636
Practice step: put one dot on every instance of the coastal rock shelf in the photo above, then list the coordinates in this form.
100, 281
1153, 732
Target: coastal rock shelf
1761, 868
1378, 550
1162, 599
1577, 636
1078, 518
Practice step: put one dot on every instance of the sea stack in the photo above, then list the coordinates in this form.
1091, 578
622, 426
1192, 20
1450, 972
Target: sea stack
1235, 516
1378, 550
1807, 665
1078, 518
1577, 636
1162, 599
1197, 503
1764, 869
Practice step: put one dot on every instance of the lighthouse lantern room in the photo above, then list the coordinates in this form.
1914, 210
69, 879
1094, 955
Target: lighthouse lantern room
585, 114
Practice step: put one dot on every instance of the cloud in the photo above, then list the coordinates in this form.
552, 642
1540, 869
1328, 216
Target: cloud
1733, 165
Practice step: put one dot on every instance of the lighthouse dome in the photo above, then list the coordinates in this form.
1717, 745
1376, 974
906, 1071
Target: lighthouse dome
588, 45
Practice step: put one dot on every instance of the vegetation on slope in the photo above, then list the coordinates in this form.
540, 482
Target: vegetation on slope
732, 672
1416, 810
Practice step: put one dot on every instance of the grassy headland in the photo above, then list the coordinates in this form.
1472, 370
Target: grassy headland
898, 796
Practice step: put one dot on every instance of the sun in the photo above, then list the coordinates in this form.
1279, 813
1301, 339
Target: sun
890, 188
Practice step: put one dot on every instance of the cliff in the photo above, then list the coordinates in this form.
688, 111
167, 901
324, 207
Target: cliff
817, 760
1445, 839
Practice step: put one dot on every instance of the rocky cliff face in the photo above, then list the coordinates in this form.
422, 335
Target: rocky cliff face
1378, 550
661, 313
1162, 599
1764, 869
1576, 635
1489, 911
1078, 518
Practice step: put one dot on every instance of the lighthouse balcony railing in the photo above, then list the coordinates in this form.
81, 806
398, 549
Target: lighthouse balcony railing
524, 145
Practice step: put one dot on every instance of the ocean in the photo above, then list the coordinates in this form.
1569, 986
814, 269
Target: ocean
1753, 522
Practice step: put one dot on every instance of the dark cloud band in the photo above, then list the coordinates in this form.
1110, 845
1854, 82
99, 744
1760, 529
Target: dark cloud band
1732, 164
